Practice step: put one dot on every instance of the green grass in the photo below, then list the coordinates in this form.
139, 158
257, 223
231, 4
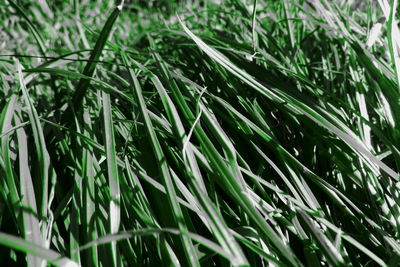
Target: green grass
199, 133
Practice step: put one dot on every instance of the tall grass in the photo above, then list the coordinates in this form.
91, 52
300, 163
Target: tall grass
199, 133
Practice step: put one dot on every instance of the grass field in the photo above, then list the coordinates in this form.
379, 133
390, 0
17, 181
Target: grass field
199, 133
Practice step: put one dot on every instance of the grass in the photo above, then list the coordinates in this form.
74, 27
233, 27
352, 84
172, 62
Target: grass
199, 133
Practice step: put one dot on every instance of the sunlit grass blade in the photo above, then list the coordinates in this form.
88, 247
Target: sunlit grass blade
28, 200
199, 133
46, 171
90, 67
112, 170
216, 222
25, 246
229, 181
294, 105
151, 231
77, 76
332, 253
351, 240
5, 125
394, 40
89, 193
163, 166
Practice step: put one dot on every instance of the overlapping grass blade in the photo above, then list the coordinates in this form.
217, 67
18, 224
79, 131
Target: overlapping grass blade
28, 200
47, 173
5, 126
295, 105
271, 132
216, 222
112, 170
90, 67
163, 166
50, 256
32, 27
332, 253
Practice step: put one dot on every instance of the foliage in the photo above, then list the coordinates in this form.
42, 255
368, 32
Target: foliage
188, 133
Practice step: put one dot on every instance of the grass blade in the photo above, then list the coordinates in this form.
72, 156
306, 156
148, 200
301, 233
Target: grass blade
28, 247
46, 172
90, 67
28, 200
112, 170
163, 165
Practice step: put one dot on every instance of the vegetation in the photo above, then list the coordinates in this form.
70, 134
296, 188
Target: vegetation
188, 133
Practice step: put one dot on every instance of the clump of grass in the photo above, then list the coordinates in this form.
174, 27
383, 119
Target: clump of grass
188, 133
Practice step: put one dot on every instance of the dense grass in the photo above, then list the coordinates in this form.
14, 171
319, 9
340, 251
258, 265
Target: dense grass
188, 133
